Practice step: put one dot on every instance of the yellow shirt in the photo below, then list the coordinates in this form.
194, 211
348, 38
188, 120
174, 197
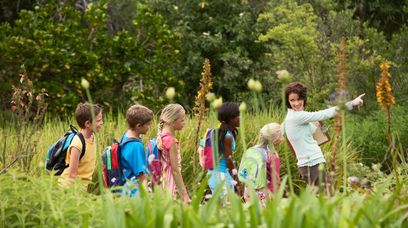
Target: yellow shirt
86, 166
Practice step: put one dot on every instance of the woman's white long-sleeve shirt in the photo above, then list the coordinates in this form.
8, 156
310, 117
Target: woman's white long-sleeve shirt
299, 129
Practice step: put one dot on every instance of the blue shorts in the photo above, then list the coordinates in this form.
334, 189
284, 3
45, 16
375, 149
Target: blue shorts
216, 178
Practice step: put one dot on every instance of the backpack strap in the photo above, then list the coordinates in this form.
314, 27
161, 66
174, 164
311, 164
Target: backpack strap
82, 138
262, 151
130, 140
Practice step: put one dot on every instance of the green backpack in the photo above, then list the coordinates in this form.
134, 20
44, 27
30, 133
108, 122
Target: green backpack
252, 167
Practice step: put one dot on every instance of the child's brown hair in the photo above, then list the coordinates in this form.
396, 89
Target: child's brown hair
83, 113
138, 114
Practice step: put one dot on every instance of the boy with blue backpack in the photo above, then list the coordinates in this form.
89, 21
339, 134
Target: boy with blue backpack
133, 158
80, 157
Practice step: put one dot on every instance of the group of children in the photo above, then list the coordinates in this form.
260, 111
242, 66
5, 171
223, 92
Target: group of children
134, 162
259, 166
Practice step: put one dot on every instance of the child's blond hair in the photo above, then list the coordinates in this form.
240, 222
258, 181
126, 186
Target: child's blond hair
269, 135
169, 114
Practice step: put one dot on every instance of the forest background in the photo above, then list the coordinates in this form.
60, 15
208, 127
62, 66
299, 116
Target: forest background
132, 51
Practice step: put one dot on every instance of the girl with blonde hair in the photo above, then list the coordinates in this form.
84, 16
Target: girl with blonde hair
260, 165
172, 119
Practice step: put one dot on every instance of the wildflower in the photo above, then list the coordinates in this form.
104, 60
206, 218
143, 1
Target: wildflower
217, 103
208, 196
242, 107
383, 88
258, 86
251, 84
84, 83
203, 93
234, 182
170, 93
283, 75
234, 172
210, 97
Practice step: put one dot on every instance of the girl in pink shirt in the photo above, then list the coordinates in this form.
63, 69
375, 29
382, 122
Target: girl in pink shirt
172, 119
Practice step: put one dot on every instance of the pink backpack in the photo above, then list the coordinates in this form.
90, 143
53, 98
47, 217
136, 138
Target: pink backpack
205, 150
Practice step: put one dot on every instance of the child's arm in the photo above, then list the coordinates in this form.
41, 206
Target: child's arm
177, 174
230, 162
73, 163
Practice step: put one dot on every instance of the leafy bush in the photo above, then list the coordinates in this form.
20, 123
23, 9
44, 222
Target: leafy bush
59, 44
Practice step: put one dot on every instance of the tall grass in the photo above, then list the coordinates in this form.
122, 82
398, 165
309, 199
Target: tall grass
37, 201
115, 126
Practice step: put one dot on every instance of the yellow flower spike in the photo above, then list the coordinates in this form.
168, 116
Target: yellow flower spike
203, 94
384, 89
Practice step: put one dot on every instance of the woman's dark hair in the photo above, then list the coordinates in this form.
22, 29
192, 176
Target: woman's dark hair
227, 112
299, 89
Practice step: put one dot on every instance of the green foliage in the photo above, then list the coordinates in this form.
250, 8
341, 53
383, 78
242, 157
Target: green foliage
42, 203
294, 43
222, 31
59, 44
131, 51
369, 134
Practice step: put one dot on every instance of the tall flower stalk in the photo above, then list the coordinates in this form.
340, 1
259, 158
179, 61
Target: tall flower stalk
386, 100
385, 97
339, 119
85, 85
200, 110
284, 77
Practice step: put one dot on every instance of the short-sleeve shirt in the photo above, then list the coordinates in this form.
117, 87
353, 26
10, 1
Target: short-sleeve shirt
86, 165
168, 141
133, 159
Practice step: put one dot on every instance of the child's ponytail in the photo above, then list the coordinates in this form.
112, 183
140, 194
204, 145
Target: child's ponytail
167, 117
227, 112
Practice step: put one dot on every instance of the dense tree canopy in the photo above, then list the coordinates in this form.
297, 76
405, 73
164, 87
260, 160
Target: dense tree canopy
131, 51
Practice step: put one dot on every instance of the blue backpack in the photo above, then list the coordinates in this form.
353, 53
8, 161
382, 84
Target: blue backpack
111, 166
57, 152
